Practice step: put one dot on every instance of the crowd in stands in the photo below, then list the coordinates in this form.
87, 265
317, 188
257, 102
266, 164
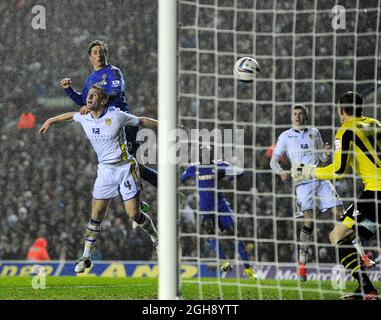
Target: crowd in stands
46, 182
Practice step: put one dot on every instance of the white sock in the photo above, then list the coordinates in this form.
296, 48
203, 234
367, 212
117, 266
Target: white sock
93, 229
305, 239
87, 251
357, 244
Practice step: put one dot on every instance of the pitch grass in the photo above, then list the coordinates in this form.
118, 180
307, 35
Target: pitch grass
101, 288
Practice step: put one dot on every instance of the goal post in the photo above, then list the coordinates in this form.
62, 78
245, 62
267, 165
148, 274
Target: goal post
167, 115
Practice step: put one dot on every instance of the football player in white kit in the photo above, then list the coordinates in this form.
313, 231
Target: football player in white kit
303, 144
118, 171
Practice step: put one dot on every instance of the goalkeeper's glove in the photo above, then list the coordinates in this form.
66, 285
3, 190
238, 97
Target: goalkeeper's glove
296, 172
301, 172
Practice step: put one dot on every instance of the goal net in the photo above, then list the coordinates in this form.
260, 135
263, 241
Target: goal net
310, 52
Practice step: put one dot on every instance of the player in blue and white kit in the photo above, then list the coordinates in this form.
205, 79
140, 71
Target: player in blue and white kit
303, 144
207, 175
118, 171
110, 78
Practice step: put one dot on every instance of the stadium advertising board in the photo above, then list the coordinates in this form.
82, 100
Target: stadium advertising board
138, 269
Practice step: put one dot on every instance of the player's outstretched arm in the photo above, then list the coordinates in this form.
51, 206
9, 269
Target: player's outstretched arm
75, 96
342, 157
148, 122
61, 118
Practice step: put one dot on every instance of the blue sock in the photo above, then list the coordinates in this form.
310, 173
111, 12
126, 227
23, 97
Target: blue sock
150, 175
213, 244
243, 254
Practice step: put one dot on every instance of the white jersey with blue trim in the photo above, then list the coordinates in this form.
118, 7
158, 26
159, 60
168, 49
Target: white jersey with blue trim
301, 146
107, 134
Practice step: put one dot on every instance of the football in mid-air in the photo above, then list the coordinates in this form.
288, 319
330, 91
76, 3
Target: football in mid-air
246, 68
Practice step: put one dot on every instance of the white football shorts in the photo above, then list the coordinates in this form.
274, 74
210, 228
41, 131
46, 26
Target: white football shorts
319, 193
122, 177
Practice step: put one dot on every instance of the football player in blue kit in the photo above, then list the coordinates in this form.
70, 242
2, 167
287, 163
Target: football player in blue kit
110, 78
206, 176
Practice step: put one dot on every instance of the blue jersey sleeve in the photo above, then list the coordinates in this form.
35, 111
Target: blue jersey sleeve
188, 173
85, 90
79, 98
75, 96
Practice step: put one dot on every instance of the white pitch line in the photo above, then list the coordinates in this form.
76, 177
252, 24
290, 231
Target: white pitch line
71, 287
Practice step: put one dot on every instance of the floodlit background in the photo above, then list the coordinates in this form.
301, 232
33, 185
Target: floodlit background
46, 182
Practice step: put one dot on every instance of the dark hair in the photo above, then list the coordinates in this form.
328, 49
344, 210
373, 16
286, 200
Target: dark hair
94, 43
301, 107
351, 103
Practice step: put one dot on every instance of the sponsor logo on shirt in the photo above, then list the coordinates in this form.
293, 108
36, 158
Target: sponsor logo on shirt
101, 83
116, 83
206, 177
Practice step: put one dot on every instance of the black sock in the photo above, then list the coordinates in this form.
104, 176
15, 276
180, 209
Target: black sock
141, 219
149, 175
363, 279
350, 259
